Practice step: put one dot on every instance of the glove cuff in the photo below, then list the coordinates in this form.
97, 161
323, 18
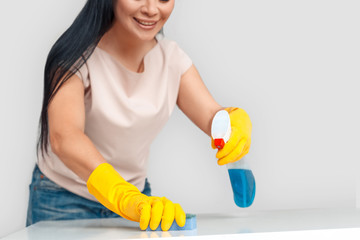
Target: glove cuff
110, 189
103, 174
230, 109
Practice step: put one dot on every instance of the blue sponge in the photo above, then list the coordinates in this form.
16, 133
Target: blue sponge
190, 224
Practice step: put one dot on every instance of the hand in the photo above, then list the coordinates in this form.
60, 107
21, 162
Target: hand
240, 139
158, 209
126, 200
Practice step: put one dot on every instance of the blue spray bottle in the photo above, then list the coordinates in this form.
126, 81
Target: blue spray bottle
241, 176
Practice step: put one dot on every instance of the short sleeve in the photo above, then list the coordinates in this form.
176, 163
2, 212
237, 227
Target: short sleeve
83, 74
178, 58
184, 60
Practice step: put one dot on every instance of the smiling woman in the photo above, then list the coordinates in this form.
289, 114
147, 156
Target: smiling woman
134, 27
111, 83
133, 17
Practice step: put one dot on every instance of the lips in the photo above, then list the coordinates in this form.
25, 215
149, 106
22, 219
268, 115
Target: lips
147, 23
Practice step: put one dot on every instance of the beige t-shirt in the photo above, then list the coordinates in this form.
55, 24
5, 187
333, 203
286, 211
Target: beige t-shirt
124, 111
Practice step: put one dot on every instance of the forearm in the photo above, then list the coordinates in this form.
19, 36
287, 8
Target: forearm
196, 102
203, 117
77, 152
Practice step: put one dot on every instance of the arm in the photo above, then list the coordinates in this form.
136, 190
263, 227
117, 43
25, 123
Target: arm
66, 114
195, 100
68, 141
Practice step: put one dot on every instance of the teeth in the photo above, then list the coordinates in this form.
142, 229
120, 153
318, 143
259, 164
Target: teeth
146, 23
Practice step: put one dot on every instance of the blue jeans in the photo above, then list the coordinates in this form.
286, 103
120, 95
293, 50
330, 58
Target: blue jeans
49, 201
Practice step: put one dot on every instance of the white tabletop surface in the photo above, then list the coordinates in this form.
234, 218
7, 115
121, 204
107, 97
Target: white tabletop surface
284, 224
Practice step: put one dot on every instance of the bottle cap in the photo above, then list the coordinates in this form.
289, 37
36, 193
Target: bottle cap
221, 128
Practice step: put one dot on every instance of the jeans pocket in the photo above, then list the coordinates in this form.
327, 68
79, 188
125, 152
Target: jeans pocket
41, 182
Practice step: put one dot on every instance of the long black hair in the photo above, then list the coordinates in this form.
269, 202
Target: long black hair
70, 52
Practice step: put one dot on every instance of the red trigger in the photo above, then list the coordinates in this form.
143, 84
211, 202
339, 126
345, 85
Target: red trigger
219, 143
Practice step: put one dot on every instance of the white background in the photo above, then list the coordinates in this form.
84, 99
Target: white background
292, 65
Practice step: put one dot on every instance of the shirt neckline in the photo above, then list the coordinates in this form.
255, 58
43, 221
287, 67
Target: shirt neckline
117, 62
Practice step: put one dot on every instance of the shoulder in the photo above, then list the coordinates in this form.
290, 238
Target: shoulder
174, 54
169, 46
81, 70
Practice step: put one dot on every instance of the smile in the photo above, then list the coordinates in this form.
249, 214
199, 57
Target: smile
146, 23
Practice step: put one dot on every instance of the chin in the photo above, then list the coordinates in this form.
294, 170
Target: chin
146, 37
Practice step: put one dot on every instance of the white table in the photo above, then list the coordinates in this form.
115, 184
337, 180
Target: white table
286, 224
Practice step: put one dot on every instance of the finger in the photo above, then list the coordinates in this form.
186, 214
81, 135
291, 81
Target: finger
234, 140
213, 144
168, 215
246, 149
234, 155
157, 209
248, 144
244, 153
145, 211
180, 216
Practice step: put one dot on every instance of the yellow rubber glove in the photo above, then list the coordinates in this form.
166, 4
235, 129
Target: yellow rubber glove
123, 198
240, 139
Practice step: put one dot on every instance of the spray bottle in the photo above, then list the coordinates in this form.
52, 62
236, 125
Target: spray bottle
241, 177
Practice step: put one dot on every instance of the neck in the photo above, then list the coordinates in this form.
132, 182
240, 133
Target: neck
126, 48
119, 42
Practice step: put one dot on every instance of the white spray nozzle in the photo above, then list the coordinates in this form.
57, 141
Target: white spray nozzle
221, 128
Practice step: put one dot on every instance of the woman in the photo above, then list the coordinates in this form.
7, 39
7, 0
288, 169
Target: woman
111, 83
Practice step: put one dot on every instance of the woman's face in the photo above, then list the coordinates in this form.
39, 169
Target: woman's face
142, 18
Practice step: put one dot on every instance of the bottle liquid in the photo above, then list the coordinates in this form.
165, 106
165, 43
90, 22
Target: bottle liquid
241, 177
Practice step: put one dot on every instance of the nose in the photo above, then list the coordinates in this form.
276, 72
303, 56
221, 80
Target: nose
150, 8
